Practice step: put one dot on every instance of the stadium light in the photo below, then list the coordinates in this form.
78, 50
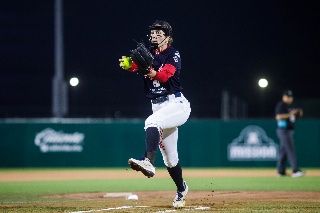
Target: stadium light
263, 83
74, 81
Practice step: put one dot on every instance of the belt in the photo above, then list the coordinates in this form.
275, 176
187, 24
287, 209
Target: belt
162, 99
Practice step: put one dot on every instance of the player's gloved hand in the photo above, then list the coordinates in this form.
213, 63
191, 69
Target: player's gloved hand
142, 58
299, 113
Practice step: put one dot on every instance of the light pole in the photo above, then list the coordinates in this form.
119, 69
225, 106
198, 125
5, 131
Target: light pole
59, 86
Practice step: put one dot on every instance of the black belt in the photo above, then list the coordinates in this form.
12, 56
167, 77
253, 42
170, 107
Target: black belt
162, 99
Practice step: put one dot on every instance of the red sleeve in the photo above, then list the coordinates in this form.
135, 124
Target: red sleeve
134, 67
165, 73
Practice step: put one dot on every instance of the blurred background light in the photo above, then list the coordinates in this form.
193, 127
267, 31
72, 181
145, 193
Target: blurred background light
263, 83
74, 81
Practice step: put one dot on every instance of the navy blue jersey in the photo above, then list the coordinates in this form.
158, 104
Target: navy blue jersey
283, 108
153, 88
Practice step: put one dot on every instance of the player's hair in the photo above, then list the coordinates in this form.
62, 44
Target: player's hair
165, 27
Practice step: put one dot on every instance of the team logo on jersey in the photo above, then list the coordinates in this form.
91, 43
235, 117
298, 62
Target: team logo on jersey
176, 56
253, 144
156, 83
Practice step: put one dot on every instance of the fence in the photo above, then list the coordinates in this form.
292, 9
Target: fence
110, 143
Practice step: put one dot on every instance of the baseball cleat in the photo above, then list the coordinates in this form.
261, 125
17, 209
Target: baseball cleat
298, 174
179, 201
143, 166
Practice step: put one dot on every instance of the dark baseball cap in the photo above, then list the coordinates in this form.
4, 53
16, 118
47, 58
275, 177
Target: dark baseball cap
288, 93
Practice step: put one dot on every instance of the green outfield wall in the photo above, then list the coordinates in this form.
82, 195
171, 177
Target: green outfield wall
110, 143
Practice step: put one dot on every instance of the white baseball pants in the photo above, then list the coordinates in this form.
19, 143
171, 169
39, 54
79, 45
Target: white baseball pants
167, 117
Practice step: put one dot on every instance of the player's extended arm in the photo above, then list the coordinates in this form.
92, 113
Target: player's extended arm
286, 115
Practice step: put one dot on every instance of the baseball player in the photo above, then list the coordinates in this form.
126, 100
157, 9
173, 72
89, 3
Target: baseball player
170, 108
286, 117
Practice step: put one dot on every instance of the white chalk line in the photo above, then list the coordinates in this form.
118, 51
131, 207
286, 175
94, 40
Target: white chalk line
190, 208
109, 209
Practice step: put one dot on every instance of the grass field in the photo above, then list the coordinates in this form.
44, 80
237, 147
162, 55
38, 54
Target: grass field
211, 190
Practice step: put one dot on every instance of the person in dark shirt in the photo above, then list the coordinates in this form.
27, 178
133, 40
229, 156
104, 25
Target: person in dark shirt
286, 118
170, 108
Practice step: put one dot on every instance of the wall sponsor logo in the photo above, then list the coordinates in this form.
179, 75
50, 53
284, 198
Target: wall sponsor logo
253, 144
50, 140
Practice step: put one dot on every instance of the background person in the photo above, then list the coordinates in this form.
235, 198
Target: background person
286, 117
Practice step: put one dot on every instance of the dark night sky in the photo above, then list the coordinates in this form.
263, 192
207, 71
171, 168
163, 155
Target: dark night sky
223, 44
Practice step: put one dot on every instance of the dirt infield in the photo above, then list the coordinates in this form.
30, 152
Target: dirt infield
207, 198
128, 173
208, 201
